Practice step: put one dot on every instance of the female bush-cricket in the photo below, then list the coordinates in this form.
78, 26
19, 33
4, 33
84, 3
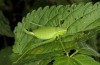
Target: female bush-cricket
47, 32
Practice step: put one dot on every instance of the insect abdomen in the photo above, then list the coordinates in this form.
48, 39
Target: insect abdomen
45, 32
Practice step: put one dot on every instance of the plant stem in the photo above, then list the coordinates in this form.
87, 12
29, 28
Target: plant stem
64, 48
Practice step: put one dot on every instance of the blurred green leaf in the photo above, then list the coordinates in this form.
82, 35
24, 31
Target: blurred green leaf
4, 56
59, 2
4, 26
86, 49
51, 17
2, 4
80, 1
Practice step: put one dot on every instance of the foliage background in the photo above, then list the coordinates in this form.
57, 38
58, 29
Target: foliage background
12, 11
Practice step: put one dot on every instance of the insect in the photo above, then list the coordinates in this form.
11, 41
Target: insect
47, 32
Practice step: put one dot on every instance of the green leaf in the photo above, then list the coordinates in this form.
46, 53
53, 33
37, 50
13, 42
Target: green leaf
85, 60
31, 59
40, 62
4, 26
59, 2
64, 60
75, 60
83, 18
77, 20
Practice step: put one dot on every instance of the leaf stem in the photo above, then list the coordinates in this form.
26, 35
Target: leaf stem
64, 48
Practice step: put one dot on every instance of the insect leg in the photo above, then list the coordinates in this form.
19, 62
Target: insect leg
30, 33
64, 47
